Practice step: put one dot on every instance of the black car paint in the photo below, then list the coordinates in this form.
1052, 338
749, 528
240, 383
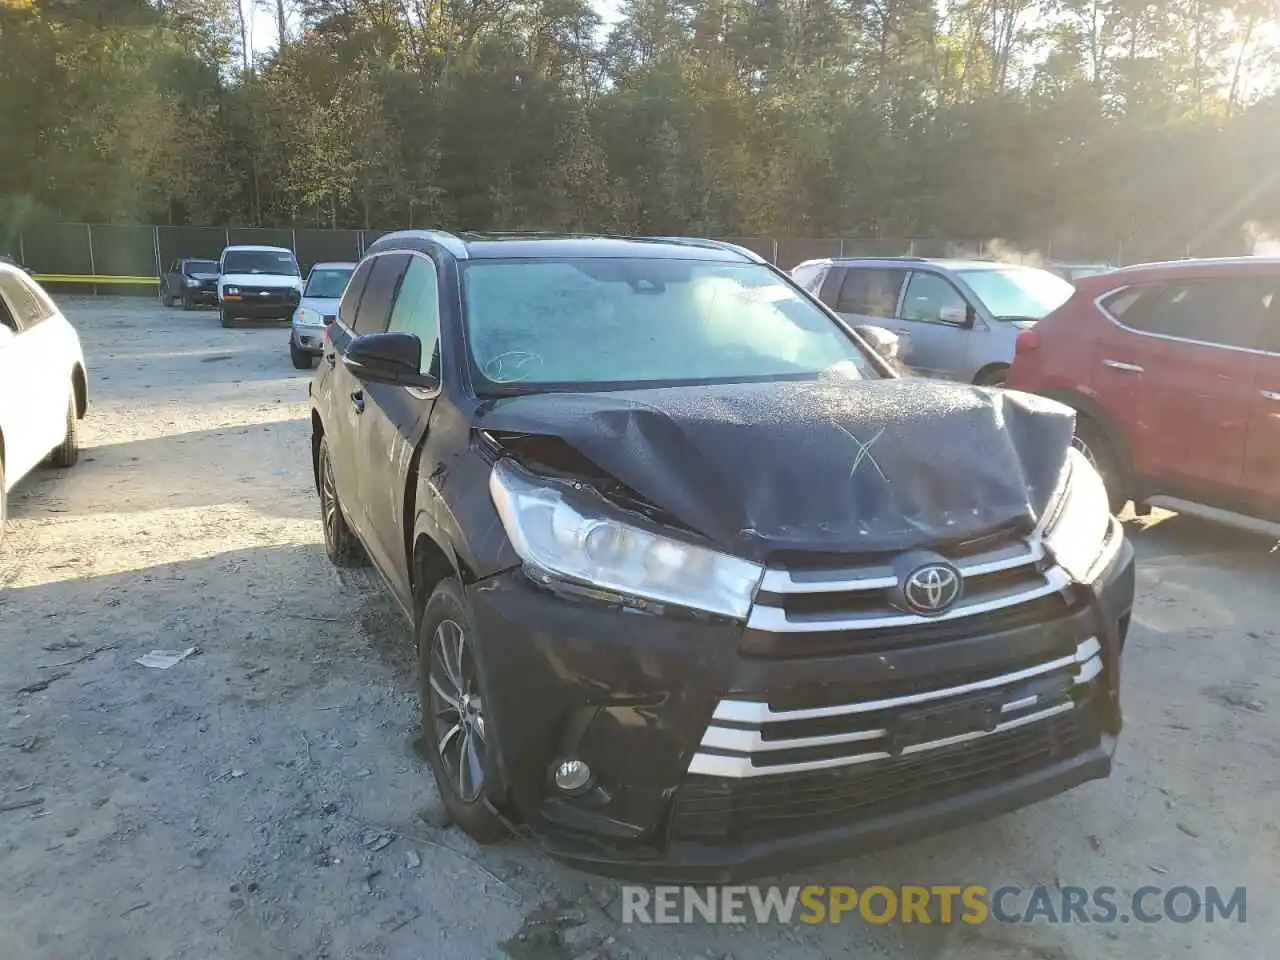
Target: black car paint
572, 674
175, 283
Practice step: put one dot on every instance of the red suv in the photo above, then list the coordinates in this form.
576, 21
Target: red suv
1174, 372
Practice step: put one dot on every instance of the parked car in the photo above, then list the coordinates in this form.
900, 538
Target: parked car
319, 308
190, 283
701, 588
958, 319
43, 389
1174, 371
257, 283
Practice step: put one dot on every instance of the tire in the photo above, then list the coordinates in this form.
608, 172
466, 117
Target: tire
340, 543
301, 361
1092, 440
459, 740
165, 297
225, 318
68, 452
187, 302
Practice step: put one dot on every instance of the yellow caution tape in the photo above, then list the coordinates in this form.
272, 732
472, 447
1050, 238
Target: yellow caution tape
76, 278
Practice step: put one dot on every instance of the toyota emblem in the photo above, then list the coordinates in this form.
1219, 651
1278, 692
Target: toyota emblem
932, 589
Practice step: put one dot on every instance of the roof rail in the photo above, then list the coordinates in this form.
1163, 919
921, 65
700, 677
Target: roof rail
708, 244
449, 241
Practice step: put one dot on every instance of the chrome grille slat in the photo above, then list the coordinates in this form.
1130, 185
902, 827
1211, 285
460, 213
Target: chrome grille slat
732, 751
793, 600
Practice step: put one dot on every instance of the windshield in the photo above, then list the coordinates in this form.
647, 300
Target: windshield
1018, 293
201, 266
260, 261
327, 283
597, 323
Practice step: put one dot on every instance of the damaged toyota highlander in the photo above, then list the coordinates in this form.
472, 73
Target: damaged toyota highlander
701, 589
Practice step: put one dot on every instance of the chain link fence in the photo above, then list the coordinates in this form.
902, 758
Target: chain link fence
128, 259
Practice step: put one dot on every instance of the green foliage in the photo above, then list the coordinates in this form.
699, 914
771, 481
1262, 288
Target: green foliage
1084, 122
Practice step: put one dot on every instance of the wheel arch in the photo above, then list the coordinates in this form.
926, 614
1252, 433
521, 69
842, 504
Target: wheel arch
980, 378
1094, 411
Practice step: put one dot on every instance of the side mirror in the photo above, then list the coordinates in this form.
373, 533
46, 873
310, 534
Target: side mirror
960, 316
884, 342
388, 358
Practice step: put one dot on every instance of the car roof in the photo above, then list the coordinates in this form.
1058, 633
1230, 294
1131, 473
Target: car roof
556, 246
941, 263
332, 264
1195, 263
256, 248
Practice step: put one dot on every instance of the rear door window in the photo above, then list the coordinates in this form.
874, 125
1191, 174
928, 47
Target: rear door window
1229, 312
24, 303
351, 296
870, 292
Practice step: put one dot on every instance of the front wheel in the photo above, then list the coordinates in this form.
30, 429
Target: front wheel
1092, 441
187, 302
225, 318
68, 452
165, 298
301, 361
340, 542
457, 730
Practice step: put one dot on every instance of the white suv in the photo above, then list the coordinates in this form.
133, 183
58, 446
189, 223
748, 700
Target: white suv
43, 389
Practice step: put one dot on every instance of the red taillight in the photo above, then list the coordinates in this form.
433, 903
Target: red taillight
1027, 341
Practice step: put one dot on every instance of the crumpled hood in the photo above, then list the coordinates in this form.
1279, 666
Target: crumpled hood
272, 280
831, 466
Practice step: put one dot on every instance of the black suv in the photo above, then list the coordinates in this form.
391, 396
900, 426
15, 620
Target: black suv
701, 588
190, 283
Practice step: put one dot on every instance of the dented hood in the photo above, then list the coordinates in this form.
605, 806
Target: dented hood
831, 466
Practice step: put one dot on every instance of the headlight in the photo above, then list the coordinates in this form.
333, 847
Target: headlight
1075, 534
192, 282
305, 317
575, 543
232, 291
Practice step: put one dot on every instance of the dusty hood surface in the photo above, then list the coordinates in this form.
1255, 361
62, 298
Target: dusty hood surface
829, 466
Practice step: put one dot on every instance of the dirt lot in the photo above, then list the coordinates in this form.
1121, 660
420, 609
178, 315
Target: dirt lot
262, 799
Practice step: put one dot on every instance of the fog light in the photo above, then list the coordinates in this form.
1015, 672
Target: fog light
573, 776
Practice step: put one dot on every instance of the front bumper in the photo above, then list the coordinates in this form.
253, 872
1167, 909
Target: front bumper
309, 340
253, 309
203, 295
638, 697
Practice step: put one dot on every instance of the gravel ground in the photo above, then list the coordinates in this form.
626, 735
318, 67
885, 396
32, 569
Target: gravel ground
262, 797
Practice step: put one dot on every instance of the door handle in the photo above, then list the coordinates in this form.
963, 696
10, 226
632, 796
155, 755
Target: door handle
357, 400
1270, 395
1122, 366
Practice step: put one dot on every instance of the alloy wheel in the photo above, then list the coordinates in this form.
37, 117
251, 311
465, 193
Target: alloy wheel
329, 502
457, 710
1084, 449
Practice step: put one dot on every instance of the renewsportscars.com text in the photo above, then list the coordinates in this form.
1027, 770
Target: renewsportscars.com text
937, 904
